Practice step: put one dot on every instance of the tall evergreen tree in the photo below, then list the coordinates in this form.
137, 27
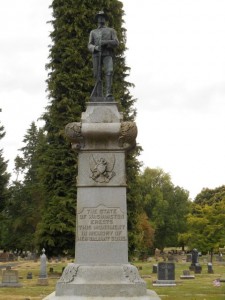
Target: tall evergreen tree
4, 176
4, 179
22, 210
70, 84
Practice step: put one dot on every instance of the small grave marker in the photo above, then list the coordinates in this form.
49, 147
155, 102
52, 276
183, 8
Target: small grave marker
187, 275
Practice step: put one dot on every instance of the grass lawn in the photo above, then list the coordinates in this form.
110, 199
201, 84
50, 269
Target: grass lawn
200, 288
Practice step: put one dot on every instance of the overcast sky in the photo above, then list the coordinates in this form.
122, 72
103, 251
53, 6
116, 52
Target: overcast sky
176, 52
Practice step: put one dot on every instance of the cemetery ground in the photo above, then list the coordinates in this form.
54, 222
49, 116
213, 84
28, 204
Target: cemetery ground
200, 288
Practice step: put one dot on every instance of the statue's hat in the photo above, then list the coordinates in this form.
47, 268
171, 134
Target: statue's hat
100, 13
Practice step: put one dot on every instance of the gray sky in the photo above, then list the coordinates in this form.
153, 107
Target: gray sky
176, 55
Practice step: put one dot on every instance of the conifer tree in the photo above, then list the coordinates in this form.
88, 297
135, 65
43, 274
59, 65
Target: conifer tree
70, 84
22, 210
4, 176
4, 179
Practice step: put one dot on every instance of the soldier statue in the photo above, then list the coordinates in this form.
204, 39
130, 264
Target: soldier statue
102, 42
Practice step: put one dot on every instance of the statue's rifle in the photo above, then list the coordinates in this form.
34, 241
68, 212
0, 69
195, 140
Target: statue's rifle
98, 84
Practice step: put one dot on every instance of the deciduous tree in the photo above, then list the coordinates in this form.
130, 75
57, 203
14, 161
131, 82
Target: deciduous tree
166, 205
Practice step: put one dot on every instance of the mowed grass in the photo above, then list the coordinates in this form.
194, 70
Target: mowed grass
200, 288
30, 289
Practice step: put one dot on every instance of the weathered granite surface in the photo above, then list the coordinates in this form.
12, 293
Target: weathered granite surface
101, 269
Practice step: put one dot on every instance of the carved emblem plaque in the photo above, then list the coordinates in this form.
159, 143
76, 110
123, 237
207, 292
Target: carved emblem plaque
102, 169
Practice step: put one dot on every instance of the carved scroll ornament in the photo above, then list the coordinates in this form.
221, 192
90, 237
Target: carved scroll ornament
73, 133
128, 134
69, 273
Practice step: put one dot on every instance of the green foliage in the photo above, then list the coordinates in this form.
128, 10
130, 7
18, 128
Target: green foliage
166, 205
206, 222
4, 176
4, 179
210, 196
22, 210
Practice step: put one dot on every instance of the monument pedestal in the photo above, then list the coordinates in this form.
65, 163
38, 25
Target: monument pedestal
101, 269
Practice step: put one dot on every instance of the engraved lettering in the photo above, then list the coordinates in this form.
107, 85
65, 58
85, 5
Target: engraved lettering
101, 223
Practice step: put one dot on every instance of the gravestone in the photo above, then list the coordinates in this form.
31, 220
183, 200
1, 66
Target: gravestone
189, 257
155, 268
170, 257
43, 277
157, 254
198, 268
194, 259
29, 275
187, 275
10, 278
166, 274
6, 256
210, 268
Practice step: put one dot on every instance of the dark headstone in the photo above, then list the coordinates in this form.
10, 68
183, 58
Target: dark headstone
194, 256
29, 275
194, 259
198, 268
187, 275
166, 274
166, 271
154, 268
51, 270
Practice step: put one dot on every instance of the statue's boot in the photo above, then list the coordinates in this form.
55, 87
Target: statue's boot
108, 80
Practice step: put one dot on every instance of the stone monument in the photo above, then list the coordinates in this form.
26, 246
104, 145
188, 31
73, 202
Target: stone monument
43, 277
101, 269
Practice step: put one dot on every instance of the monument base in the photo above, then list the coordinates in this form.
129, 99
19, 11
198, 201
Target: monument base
150, 295
164, 283
42, 281
10, 285
97, 282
